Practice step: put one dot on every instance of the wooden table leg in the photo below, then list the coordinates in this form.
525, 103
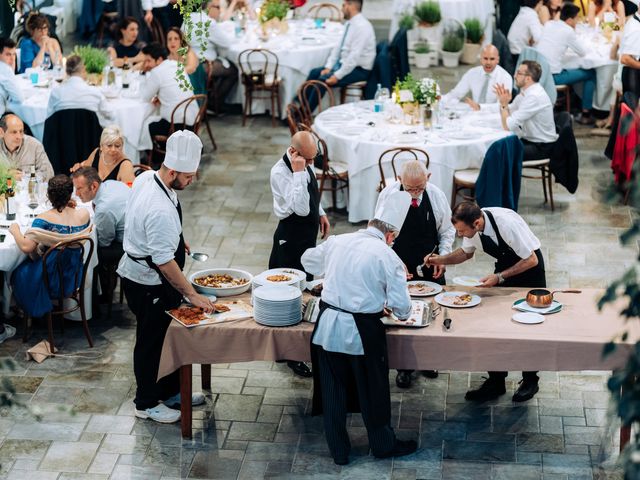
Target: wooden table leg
205, 371
625, 431
185, 401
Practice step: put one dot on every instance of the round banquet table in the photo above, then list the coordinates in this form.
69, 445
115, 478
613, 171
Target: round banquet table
130, 113
456, 144
301, 49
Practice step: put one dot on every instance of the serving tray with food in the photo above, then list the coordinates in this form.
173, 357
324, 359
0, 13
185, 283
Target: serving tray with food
190, 316
458, 299
423, 288
421, 316
221, 282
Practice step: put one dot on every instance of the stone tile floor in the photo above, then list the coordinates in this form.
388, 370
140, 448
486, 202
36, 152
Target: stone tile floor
255, 423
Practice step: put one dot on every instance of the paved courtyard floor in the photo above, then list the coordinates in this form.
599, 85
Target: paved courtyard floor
255, 423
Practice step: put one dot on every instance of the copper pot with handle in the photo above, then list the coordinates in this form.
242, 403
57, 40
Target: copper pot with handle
541, 298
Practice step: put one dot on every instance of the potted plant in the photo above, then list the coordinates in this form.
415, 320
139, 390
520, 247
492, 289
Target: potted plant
407, 21
475, 34
4, 176
94, 59
451, 49
423, 55
428, 16
272, 16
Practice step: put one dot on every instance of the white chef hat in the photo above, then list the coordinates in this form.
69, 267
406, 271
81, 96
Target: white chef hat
184, 149
394, 209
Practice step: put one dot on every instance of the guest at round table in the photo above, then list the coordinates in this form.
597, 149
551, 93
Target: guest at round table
549, 10
598, 8
127, 47
62, 222
192, 65
109, 158
39, 49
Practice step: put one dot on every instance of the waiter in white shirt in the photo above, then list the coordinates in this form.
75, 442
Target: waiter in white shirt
296, 202
530, 116
426, 228
504, 235
480, 81
352, 60
151, 272
349, 345
630, 51
526, 29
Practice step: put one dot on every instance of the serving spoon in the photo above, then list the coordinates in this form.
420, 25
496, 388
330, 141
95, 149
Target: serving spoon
199, 257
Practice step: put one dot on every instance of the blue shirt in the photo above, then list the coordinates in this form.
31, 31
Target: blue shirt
28, 52
109, 208
57, 227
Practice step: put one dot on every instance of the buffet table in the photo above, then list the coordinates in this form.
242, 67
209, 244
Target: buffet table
481, 338
357, 136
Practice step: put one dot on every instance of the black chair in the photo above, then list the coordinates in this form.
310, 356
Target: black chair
70, 136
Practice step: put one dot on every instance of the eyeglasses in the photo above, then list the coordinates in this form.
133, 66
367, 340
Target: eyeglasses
524, 74
408, 188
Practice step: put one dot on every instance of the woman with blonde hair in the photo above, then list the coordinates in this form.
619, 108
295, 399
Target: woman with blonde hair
109, 158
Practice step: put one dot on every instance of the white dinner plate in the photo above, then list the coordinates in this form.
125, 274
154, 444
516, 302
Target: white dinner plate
528, 318
523, 306
351, 131
461, 135
446, 299
467, 281
436, 288
408, 138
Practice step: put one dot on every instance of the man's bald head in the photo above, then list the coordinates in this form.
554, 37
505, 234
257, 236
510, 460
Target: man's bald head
11, 131
489, 58
305, 144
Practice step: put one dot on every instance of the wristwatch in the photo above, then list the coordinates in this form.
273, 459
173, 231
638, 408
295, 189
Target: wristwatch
500, 278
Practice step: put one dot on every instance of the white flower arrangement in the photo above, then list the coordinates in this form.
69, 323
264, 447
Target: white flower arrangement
430, 90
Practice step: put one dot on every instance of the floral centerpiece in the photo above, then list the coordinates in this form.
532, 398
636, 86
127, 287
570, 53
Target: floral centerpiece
416, 97
4, 176
272, 16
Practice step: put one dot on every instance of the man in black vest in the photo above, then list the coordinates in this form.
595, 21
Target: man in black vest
504, 235
296, 202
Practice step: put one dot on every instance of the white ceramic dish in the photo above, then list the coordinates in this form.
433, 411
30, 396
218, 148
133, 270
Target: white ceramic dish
436, 288
467, 281
523, 306
528, 318
222, 291
446, 299
297, 277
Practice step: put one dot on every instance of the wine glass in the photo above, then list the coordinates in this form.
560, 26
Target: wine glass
42, 195
46, 62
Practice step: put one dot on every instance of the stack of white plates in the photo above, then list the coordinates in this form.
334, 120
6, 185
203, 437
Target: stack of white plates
277, 306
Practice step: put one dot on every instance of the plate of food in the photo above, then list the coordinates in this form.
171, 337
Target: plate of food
419, 288
420, 316
222, 282
458, 299
191, 316
467, 281
281, 276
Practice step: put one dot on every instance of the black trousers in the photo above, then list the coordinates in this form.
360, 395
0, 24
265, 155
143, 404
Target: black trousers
108, 258
332, 368
147, 304
537, 151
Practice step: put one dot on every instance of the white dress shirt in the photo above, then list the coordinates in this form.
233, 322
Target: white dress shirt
151, 4
161, 82
219, 36
358, 47
441, 212
149, 231
10, 91
557, 36
362, 274
289, 189
513, 229
630, 42
525, 27
109, 207
531, 116
473, 81
74, 92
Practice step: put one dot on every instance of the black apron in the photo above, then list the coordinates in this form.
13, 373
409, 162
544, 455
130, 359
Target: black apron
418, 236
298, 233
507, 258
172, 297
374, 343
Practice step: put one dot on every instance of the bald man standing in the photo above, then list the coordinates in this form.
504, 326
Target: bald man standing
476, 87
296, 202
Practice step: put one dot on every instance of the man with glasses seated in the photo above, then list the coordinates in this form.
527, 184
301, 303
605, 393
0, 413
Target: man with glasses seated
427, 229
530, 116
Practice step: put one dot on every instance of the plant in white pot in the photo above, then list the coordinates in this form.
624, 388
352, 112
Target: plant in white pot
475, 34
423, 55
453, 37
428, 16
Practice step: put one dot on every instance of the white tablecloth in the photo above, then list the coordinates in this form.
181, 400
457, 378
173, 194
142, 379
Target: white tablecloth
130, 114
459, 144
301, 49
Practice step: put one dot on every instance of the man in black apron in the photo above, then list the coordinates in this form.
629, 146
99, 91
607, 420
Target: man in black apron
348, 344
426, 229
151, 272
296, 202
504, 235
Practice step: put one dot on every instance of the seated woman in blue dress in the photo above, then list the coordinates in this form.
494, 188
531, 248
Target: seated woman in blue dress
39, 49
62, 222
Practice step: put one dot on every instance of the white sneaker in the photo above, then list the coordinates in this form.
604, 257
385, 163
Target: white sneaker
197, 398
9, 332
160, 413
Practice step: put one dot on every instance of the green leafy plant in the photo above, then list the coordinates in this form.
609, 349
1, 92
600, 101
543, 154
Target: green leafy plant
422, 48
428, 12
4, 176
475, 32
407, 21
94, 59
274, 9
452, 43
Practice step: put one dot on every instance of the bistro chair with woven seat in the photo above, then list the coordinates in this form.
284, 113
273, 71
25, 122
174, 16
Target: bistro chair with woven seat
295, 118
328, 11
259, 74
316, 88
397, 154
465, 180
58, 272
354, 90
543, 167
106, 23
178, 121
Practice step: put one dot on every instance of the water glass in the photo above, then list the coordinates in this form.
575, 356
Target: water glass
319, 22
34, 76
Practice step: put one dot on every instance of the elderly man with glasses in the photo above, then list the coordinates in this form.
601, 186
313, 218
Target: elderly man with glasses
530, 115
426, 229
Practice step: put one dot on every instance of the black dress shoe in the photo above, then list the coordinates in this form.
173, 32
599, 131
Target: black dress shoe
401, 448
489, 390
525, 391
585, 119
300, 369
403, 379
430, 373
341, 461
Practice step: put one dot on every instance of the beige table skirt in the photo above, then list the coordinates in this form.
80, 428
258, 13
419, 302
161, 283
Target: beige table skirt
481, 338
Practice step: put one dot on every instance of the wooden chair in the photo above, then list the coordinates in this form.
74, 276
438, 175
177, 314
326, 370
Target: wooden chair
566, 90
318, 88
327, 11
295, 118
464, 180
106, 23
259, 74
353, 90
59, 267
398, 153
177, 122
544, 168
